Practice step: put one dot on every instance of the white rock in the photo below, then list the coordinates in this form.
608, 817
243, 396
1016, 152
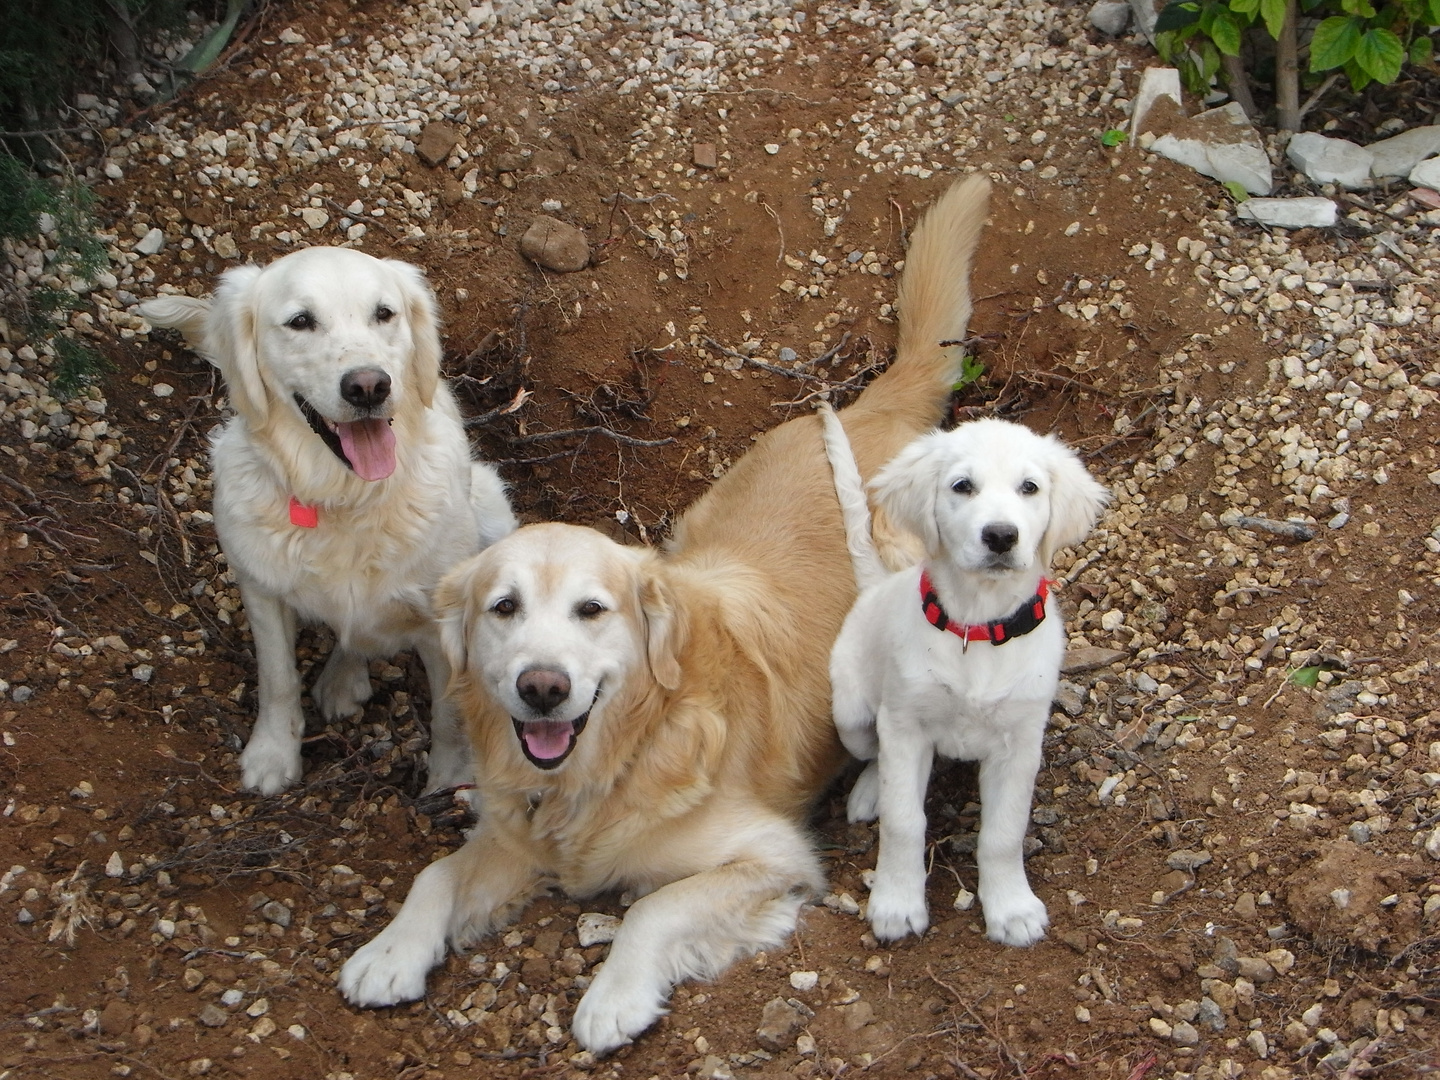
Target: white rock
226, 247
964, 899
1432, 845
1309, 212
1220, 143
1426, 174
1146, 12
114, 866
314, 217
594, 928
1399, 154
291, 36
151, 243
113, 171
1155, 83
1110, 16
804, 980
1330, 161
162, 389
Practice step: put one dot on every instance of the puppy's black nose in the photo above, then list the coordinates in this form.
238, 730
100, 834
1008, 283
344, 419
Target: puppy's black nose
365, 388
542, 688
999, 538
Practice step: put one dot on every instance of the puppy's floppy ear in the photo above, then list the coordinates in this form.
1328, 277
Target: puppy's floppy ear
231, 342
454, 603
1076, 499
423, 317
664, 625
905, 488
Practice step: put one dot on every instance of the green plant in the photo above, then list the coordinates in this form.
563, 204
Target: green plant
971, 372
1113, 137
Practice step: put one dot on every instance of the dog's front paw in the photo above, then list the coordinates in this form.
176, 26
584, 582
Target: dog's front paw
895, 912
610, 1016
387, 971
1020, 919
343, 687
269, 766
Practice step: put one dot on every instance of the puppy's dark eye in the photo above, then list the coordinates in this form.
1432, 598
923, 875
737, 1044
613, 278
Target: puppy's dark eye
504, 606
301, 321
1029, 487
590, 609
384, 314
963, 486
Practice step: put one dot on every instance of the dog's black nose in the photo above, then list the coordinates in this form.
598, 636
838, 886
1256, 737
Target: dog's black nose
365, 388
543, 688
999, 538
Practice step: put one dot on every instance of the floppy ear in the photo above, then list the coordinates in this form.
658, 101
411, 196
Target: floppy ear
453, 605
905, 488
231, 342
1076, 499
424, 319
664, 626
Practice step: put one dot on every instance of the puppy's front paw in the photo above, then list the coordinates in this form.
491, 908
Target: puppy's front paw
895, 912
269, 766
387, 971
609, 1017
1019, 919
343, 687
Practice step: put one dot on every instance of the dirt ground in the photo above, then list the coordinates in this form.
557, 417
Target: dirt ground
209, 941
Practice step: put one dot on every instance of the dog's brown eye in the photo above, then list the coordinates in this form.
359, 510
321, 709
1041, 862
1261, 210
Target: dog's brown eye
302, 321
383, 314
590, 609
1029, 487
504, 606
963, 486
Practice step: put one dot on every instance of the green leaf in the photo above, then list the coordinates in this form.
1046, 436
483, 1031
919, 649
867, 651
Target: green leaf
1244, 7
1237, 191
208, 49
1225, 33
1308, 677
971, 372
1334, 42
1358, 7
1421, 49
1209, 63
1113, 137
1380, 53
1177, 16
1358, 76
1273, 12
1433, 9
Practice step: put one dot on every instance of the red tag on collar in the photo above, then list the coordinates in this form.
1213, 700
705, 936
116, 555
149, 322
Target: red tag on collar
307, 517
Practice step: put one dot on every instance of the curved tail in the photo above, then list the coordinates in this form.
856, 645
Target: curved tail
854, 508
934, 301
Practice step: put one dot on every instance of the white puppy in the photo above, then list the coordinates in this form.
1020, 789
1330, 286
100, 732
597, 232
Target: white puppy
958, 656
344, 486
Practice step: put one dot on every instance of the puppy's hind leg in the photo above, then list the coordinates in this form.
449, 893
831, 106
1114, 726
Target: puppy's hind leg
343, 687
695, 928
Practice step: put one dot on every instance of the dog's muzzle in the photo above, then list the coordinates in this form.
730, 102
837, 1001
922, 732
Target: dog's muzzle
547, 743
366, 446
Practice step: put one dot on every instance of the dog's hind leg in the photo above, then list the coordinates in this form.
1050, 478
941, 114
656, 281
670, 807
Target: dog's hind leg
854, 719
493, 517
695, 928
454, 899
270, 761
451, 762
343, 687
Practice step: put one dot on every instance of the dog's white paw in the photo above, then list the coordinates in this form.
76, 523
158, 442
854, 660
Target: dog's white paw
1018, 919
864, 802
343, 687
388, 970
269, 766
894, 912
610, 1016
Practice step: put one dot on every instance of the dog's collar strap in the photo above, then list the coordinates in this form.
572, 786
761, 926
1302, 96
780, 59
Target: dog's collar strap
1030, 615
307, 517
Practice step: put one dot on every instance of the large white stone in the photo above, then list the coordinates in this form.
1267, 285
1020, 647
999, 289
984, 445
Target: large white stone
151, 243
1291, 213
1223, 144
1155, 83
1396, 156
1146, 12
1110, 16
1330, 161
1426, 174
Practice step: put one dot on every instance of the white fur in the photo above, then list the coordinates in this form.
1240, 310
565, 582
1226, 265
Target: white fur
367, 569
905, 691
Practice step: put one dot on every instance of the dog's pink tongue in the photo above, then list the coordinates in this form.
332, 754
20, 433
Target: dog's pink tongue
369, 446
546, 739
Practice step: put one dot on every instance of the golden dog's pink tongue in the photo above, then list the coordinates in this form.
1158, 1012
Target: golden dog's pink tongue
547, 739
369, 446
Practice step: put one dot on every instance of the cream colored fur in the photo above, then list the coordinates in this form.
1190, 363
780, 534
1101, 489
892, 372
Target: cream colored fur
700, 674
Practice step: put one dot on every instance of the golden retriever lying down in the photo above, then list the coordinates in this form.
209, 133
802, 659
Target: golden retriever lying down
661, 722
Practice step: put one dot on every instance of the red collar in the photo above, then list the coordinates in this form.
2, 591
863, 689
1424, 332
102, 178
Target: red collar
307, 517
1026, 618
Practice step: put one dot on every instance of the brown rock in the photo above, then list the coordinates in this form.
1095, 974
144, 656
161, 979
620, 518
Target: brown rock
452, 192
778, 1024
549, 163
858, 1015
213, 1016
535, 972
503, 163
555, 245
1335, 899
199, 215
117, 1018
436, 141
704, 156
1091, 657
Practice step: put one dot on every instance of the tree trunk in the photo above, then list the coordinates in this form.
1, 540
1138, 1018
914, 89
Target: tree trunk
1238, 84
1287, 74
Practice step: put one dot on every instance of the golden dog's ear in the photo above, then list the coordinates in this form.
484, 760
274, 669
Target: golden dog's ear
905, 488
231, 342
664, 626
1076, 499
453, 602
423, 317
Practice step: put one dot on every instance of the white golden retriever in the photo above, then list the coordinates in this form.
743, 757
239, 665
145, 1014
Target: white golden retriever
958, 656
661, 723
344, 486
